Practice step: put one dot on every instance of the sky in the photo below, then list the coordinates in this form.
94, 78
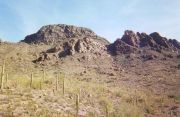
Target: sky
108, 18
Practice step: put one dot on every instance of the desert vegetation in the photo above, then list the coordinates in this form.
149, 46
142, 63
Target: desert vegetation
45, 93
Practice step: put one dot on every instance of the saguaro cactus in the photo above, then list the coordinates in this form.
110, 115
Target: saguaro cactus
6, 77
57, 77
63, 86
40, 84
2, 75
44, 73
31, 80
77, 104
107, 110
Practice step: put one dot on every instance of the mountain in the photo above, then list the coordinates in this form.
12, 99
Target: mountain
139, 73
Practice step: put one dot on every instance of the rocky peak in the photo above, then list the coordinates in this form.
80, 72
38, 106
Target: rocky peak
154, 40
132, 41
52, 34
130, 38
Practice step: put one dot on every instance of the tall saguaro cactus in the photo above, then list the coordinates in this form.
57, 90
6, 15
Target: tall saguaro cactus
6, 78
77, 104
57, 82
2, 75
31, 80
44, 73
63, 84
107, 111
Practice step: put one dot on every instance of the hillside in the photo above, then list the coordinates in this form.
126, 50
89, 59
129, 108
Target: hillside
137, 75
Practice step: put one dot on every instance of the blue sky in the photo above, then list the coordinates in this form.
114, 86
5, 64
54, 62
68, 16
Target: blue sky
108, 18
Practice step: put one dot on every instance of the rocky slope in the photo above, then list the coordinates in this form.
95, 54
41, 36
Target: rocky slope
84, 45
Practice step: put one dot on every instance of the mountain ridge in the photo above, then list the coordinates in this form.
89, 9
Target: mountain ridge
53, 34
69, 40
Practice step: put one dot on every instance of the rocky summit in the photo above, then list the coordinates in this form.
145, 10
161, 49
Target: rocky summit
53, 34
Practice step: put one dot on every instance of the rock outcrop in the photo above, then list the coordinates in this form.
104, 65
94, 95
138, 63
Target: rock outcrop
174, 43
160, 41
146, 40
130, 38
73, 46
53, 34
130, 42
121, 47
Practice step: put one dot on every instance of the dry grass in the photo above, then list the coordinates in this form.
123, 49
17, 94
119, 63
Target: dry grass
44, 99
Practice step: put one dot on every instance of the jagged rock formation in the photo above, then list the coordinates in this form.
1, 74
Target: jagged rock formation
53, 34
174, 43
130, 38
130, 42
121, 47
83, 45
